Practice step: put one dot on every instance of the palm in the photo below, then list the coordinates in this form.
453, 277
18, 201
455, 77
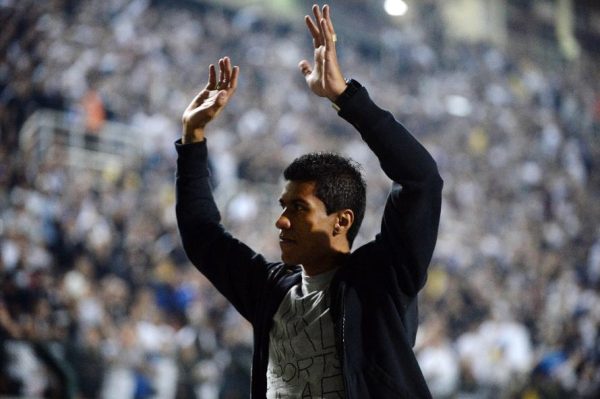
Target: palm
316, 78
206, 109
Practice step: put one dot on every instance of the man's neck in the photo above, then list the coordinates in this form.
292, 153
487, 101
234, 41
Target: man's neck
335, 261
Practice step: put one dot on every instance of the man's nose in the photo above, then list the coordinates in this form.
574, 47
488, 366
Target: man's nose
282, 223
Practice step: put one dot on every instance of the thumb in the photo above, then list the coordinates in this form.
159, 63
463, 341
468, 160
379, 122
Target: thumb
304, 67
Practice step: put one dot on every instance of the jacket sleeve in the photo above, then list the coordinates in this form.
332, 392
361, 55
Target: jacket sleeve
232, 267
410, 221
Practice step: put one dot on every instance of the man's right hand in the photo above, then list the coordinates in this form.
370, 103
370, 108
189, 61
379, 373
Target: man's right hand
210, 101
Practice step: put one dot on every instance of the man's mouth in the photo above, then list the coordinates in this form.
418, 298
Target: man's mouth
286, 240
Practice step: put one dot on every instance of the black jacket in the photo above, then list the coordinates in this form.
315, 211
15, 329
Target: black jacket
374, 295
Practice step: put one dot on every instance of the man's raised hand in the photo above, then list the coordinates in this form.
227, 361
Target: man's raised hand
324, 78
210, 101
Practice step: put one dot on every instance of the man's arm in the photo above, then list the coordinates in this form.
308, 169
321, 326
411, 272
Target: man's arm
235, 270
411, 218
410, 222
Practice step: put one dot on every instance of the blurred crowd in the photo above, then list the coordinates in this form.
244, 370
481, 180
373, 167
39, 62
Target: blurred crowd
97, 298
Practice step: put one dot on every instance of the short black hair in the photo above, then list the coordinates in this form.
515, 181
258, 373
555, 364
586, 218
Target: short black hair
338, 183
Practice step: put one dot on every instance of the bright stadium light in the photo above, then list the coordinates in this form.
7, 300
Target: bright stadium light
395, 8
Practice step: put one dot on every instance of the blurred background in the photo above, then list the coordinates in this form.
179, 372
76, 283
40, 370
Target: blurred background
97, 299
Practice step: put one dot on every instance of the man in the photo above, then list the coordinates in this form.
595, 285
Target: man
327, 322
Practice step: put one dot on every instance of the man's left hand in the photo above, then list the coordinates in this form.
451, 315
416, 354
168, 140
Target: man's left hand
324, 78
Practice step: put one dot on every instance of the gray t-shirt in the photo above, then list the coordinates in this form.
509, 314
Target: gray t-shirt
303, 359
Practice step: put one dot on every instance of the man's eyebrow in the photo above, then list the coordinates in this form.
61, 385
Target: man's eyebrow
300, 201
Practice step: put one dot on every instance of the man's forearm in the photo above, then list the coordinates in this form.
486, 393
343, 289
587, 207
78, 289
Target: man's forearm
402, 157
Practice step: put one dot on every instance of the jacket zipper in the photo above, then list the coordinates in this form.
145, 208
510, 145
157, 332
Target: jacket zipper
342, 342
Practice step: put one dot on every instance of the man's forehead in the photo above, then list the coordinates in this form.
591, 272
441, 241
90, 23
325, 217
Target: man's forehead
294, 189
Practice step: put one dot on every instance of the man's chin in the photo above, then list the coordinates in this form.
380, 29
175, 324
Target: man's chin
286, 260
289, 259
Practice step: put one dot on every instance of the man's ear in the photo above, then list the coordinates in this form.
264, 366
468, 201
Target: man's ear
344, 220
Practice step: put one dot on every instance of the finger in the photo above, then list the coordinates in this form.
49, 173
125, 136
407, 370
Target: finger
210, 85
326, 11
198, 100
234, 77
304, 67
221, 71
329, 43
318, 17
317, 12
313, 29
327, 17
212, 77
227, 71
